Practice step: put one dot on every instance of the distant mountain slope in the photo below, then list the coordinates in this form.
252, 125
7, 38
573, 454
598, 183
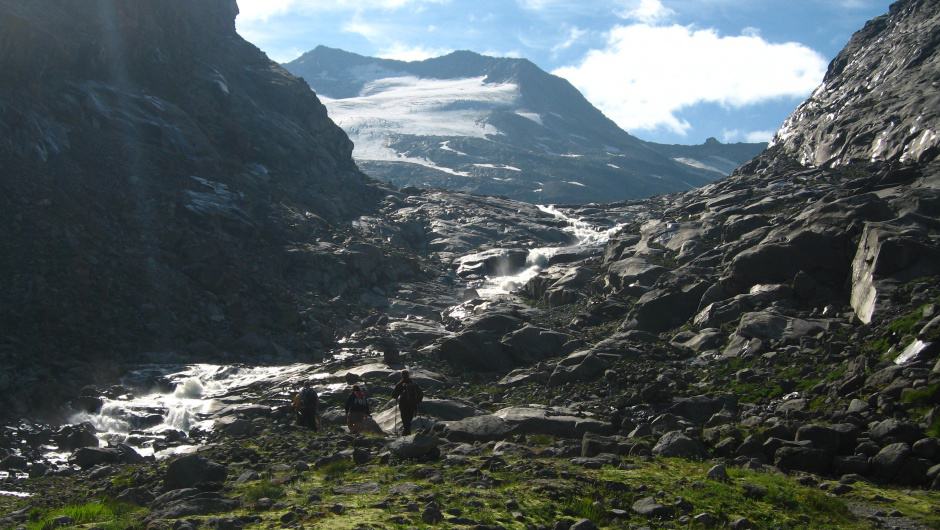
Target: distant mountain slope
497, 126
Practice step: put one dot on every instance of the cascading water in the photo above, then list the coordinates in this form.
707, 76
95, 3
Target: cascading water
198, 391
586, 235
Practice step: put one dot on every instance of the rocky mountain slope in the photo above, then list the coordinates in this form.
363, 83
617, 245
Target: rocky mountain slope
497, 126
848, 119
165, 184
759, 353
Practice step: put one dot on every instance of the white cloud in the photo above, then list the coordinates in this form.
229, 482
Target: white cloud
574, 35
261, 10
646, 74
402, 52
737, 135
648, 12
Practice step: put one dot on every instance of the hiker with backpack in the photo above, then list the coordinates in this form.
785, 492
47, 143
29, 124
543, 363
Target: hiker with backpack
409, 396
357, 410
305, 405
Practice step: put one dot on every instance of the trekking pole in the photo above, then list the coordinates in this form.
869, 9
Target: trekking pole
397, 415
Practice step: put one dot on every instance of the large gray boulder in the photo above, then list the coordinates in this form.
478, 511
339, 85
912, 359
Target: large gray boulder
414, 446
623, 273
532, 420
768, 325
476, 351
676, 444
700, 408
531, 344
797, 458
191, 470
667, 308
887, 464
589, 368
484, 428
888, 255
820, 437
892, 431
430, 411
88, 457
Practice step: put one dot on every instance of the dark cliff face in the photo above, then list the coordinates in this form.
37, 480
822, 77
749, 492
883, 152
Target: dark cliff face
162, 182
879, 100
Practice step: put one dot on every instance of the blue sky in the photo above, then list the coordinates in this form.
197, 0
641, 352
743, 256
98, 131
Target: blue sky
674, 71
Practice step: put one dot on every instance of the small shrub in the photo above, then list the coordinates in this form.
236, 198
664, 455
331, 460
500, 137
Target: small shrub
925, 395
263, 490
584, 508
336, 469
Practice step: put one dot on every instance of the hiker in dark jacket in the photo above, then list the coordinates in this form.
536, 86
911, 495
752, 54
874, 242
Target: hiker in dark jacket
357, 410
306, 404
409, 396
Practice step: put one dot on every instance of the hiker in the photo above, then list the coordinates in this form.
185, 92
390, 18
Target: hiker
390, 354
357, 410
305, 405
409, 396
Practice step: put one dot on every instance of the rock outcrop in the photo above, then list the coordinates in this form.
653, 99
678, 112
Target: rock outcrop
878, 101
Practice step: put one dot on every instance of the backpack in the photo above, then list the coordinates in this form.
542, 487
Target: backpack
411, 393
360, 404
308, 398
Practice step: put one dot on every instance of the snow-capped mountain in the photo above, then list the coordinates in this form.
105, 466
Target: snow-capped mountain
497, 126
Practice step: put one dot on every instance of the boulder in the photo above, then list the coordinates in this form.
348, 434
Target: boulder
476, 351
204, 503
71, 437
927, 448
677, 444
14, 463
191, 470
590, 367
531, 420
594, 444
664, 309
790, 458
88, 457
888, 254
648, 507
415, 446
139, 496
531, 344
889, 461
494, 262
484, 428
820, 437
430, 410
768, 325
626, 272
699, 409
892, 430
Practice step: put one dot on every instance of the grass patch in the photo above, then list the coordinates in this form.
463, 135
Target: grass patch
920, 505
786, 504
585, 508
925, 395
104, 515
337, 469
540, 440
905, 325
934, 429
263, 490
